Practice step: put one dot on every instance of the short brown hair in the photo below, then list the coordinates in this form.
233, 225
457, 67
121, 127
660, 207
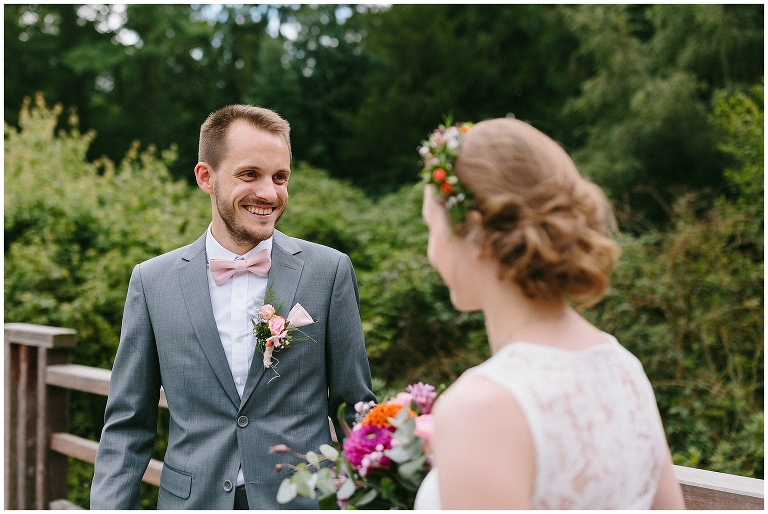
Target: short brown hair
213, 132
546, 225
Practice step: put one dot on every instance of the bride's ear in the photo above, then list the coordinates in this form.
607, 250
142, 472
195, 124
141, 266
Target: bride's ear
481, 250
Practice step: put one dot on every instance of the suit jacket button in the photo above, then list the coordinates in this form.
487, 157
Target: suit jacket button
227, 485
242, 421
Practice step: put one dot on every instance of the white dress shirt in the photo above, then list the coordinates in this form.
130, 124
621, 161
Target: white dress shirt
235, 303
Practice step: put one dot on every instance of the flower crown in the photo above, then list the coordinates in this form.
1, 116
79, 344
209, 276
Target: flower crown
438, 153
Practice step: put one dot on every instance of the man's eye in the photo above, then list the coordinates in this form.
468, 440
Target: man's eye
281, 177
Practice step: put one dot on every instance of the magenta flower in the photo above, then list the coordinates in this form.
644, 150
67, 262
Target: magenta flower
424, 396
364, 448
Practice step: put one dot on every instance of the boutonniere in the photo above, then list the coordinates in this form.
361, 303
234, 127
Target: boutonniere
274, 333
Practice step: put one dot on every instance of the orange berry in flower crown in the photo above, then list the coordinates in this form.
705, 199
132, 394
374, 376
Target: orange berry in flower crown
439, 174
446, 188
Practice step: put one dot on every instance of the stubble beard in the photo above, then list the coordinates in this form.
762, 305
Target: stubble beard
240, 234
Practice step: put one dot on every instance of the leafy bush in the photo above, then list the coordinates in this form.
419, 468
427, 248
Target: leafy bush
689, 303
73, 232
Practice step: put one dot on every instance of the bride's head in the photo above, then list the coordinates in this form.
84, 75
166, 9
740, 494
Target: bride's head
545, 226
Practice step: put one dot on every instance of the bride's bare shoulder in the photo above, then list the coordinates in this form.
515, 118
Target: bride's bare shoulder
472, 394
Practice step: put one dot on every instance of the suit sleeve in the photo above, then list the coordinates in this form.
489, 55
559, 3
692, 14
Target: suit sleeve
130, 420
349, 379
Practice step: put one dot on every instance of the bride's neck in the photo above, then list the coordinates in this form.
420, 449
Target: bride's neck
510, 315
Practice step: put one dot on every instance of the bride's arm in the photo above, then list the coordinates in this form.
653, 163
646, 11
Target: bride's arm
483, 448
669, 494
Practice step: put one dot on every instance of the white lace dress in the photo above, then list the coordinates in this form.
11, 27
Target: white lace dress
596, 428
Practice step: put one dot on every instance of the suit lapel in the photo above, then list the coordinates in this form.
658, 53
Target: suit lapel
284, 278
193, 275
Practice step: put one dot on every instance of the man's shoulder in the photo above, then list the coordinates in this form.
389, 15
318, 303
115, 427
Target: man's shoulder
174, 257
295, 245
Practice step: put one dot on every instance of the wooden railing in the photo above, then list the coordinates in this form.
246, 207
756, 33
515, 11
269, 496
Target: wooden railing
38, 378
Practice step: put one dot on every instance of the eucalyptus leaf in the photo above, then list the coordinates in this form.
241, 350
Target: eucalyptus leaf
313, 459
329, 451
407, 430
347, 489
412, 469
367, 498
398, 454
287, 491
326, 485
305, 483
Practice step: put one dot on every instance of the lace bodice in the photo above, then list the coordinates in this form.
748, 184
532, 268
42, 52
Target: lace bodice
598, 438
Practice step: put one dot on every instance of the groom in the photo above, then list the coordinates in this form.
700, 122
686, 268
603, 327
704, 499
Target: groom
187, 327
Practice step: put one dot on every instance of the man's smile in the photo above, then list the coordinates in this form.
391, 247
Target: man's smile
262, 210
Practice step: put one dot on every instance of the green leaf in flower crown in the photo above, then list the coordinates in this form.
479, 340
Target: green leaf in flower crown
328, 501
287, 491
329, 451
346, 490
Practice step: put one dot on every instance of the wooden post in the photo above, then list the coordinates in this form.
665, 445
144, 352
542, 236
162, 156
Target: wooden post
34, 475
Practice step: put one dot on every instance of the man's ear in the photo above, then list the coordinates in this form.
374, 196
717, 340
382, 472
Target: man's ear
204, 177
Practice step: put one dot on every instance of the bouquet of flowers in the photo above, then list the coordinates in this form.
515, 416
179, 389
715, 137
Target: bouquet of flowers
382, 462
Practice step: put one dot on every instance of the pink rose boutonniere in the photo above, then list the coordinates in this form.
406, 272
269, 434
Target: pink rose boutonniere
273, 332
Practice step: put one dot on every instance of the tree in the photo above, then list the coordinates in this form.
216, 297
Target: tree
472, 62
644, 111
315, 80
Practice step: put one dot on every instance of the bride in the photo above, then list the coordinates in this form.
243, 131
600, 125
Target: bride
561, 416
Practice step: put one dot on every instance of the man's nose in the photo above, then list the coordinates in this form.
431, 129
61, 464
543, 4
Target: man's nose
265, 189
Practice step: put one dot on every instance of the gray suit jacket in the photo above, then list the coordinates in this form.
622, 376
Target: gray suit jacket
169, 338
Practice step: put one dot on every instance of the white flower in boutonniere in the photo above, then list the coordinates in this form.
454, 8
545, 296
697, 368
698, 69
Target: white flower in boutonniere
273, 332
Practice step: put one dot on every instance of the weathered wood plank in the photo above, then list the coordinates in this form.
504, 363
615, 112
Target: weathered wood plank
79, 378
24, 495
87, 379
39, 336
709, 490
10, 411
85, 450
53, 417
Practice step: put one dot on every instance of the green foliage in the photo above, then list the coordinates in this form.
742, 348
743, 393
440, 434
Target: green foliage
741, 119
689, 303
640, 121
73, 232
470, 61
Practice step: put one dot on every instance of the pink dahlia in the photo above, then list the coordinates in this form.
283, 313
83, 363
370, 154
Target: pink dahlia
364, 448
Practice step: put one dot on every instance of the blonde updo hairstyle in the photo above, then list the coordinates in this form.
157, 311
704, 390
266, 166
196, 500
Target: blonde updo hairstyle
545, 225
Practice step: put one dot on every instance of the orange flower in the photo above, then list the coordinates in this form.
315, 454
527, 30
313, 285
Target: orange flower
439, 174
379, 414
464, 129
446, 188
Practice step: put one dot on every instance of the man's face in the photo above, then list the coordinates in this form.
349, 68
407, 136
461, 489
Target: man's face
249, 190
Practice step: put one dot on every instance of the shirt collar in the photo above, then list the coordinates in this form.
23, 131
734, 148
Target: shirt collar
214, 250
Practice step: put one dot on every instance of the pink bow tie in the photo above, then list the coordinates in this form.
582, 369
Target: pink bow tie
223, 269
